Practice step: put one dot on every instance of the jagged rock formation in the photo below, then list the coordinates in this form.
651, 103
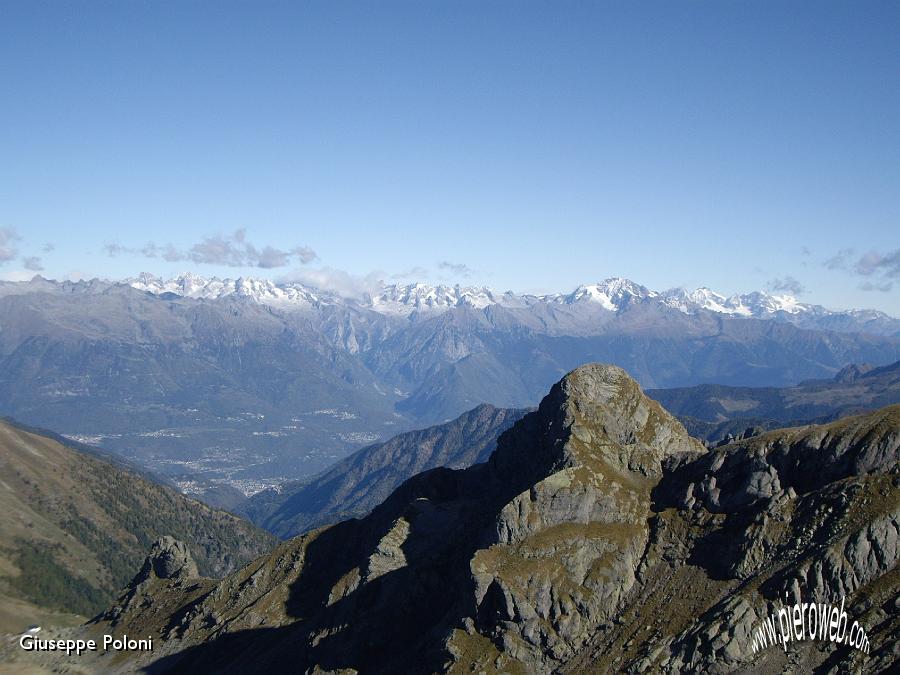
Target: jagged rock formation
599, 537
169, 559
169, 563
812, 511
357, 484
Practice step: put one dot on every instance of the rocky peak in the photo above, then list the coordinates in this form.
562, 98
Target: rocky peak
169, 564
169, 558
596, 412
603, 399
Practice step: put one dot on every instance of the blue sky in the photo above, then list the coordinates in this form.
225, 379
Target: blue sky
525, 146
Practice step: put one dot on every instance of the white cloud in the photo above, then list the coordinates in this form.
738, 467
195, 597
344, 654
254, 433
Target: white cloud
879, 269
886, 264
337, 281
33, 263
230, 250
8, 244
457, 269
16, 275
787, 284
840, 260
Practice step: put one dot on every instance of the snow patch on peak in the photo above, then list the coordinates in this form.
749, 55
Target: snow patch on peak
404, 299
187, 284
755, 304
703, 298
763, 303
612, 294
263, 291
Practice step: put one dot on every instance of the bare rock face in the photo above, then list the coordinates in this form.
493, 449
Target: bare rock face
566, 550
596, 413
169, 559
599, 537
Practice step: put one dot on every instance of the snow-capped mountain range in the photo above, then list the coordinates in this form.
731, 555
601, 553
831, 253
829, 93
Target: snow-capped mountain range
261, 290
612, 294
179, 369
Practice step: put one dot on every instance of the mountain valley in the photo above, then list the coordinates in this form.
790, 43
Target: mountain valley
459, 338
357, 484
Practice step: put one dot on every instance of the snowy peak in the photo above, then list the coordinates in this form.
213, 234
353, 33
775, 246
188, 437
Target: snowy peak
760, 304
408, 298
755, 304
263, 291
704, 298
614, 294
392, 299
188, 285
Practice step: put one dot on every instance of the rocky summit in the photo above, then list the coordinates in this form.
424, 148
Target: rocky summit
599, 537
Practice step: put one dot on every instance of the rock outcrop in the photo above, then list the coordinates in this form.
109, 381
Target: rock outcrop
170, 559
167, 567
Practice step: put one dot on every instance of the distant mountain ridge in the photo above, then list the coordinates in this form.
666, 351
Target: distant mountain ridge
611, 294
711, 410
213, 385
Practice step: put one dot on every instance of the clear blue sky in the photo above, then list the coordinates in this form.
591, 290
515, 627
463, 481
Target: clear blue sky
525, 146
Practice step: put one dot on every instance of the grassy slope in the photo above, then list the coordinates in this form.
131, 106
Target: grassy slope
76, 529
